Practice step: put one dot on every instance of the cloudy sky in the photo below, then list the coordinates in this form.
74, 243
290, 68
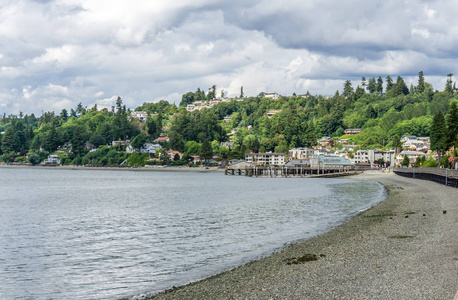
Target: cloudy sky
55, 54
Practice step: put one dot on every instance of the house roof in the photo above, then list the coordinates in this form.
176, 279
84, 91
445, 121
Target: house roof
161, 139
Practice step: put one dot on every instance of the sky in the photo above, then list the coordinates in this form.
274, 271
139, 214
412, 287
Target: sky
55, 54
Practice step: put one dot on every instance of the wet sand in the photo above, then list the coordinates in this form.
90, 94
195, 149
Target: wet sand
406, 247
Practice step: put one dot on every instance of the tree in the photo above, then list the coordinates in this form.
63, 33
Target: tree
389, 83
448, 84
138, 141
158, 124
405, 160
452, 125
51, 140
348, 89
78, 140
187, 98
206, 151
396, 143
400, 88
379, 86
97, 140
34, 159
437, 135
64, 115
421, 83
372, 86
241, 92
9, 141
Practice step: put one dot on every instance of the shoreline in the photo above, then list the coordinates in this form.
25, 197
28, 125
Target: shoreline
405, 247
142, 169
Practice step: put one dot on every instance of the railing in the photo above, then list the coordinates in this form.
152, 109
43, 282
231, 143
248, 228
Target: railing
442, 176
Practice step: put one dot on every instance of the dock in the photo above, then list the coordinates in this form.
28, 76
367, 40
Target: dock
301, 172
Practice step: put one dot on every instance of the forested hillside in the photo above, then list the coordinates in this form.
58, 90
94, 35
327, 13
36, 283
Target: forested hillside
382, 108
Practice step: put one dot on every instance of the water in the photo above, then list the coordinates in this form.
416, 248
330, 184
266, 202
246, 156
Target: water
67, 234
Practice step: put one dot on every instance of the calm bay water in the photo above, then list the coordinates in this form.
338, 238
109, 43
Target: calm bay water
67, 234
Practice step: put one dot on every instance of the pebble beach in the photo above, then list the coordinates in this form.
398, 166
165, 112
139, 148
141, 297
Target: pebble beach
406, 247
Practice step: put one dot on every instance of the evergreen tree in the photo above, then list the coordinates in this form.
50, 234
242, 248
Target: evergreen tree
396, 143
9, 141
421, 83
51, 141
241, 92
206, 151
452, 125
310, 135
363, 81
158, 124
400, 87
448, 84
372, 86
379, 86
405, 161
438, 134
348, 89
79, 140
389, 83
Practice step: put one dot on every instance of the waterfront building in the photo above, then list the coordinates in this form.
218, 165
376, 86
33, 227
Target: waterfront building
266, 159
300, 153
329, 162
371, 155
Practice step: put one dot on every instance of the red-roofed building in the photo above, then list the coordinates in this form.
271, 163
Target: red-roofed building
162, 139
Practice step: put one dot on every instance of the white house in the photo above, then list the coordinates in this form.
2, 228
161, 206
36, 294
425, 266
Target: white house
52, 160
140, 115
271, 95
146, 148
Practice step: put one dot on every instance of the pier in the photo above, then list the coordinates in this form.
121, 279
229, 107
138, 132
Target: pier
301, 172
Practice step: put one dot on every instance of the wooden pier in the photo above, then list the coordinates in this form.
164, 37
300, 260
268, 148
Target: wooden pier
260, 171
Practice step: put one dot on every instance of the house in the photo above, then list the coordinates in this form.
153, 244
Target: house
53, 160
352, 131
271, 95
406, 138
326, 142
120, 143
229, 144
162, 139
267, 159
412, 155
140, 115
195, 159
172, 153
272, 112
146, 148
372, 155
300, 153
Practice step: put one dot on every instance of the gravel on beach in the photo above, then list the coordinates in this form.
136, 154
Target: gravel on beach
406, 247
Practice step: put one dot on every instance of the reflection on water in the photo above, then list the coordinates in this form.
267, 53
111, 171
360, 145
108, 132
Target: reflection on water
107, 234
